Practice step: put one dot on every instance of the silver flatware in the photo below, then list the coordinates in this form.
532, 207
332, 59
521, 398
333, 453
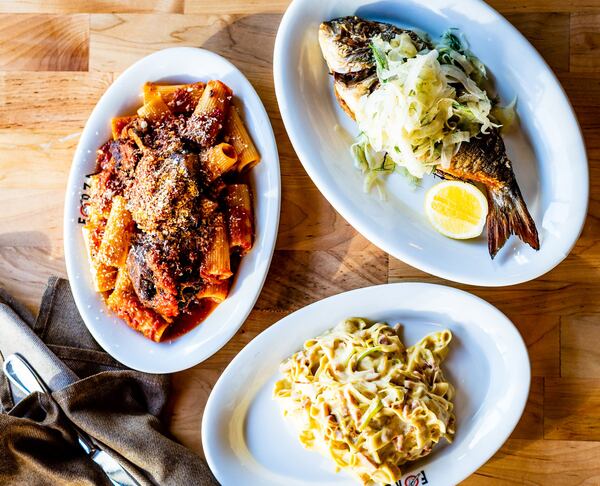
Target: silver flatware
22, 375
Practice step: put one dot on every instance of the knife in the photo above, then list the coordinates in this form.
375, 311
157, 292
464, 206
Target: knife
22, 375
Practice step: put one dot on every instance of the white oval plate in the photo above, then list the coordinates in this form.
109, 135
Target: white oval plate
547, 150
177, 65
247, 441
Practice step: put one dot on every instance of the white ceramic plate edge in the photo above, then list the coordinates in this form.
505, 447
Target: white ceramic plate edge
483, 455
338, 203
70, 208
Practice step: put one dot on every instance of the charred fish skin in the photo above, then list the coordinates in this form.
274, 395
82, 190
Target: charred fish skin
350, 88
483, 159
346, 46
346, 42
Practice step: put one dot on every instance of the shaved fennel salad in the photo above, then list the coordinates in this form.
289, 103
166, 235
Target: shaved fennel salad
426, 104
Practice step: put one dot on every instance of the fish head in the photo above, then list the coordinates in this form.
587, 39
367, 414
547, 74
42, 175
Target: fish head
346, 44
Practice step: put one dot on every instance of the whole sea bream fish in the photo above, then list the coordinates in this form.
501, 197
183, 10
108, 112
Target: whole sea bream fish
346, 46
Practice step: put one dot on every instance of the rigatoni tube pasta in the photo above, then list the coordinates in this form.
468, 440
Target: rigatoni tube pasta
237, 135
167, 209
170, 92
239, 217
359, 396
117, 234
218, 160
123, 302
216, 265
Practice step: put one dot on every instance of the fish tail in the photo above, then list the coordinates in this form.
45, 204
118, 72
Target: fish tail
508, 215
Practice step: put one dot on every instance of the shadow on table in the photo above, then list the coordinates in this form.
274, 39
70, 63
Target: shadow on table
27, 259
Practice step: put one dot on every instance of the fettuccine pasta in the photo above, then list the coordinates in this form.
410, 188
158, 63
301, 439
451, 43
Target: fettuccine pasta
358, 395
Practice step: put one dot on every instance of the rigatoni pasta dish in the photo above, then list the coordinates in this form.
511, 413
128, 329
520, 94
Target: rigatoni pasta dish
170, 211
359, 396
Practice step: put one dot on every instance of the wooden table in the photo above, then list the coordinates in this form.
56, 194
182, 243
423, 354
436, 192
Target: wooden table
58, 56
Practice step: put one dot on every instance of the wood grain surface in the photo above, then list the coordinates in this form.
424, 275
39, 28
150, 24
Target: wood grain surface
58, 56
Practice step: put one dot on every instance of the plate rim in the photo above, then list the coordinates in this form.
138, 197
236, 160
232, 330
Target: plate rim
337, 201
522, 394
217, 341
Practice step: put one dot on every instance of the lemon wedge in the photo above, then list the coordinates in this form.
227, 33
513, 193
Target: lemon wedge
456, 209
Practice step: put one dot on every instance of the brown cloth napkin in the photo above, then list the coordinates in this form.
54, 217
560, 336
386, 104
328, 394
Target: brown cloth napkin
119, 408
